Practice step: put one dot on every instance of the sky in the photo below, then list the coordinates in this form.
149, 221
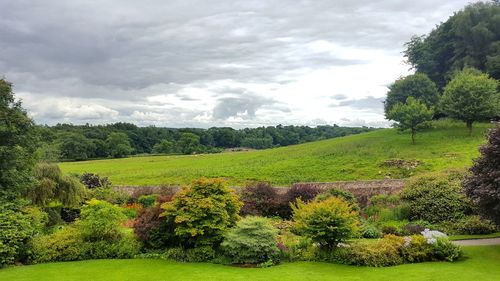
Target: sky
191, 63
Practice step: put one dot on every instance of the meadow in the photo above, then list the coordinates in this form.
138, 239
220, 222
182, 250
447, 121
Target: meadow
446, 145
481, 264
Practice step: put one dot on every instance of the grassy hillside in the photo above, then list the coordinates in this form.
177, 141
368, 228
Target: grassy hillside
481, 264
355, 157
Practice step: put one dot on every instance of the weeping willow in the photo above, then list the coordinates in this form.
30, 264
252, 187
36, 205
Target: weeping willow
54, 187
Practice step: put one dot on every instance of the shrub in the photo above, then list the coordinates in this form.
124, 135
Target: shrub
91, 181
17, 227
470, 225
304, 192
64, 244
153, 230
446, 250
100, 220
342, 194
203, 211
326, 222
369, 231
259, 199
253, 240
386, 208
385, 252
435, 198
176, 254
147, 200
482, 185
416, 249
200, 254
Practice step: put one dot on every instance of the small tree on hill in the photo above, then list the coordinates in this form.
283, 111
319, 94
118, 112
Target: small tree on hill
471, 96
483, 185
411, 115
418, 86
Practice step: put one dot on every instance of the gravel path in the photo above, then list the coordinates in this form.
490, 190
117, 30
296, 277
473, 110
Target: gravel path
478, 242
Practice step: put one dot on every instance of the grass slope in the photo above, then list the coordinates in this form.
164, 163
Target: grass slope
481, 264
355, 157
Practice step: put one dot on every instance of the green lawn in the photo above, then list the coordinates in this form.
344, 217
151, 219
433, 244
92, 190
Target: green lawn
483, 263
353, 157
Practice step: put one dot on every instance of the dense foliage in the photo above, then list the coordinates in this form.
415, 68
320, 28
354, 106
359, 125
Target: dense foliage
327, 222
471, 96
17, 145
417, 86
74, 142
260, 199
483, 183
435, 197
468, 38
53, 187
203, 211
18, 225
252, 240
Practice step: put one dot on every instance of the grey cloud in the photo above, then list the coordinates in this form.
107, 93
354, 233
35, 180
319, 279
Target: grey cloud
368, 103
131, 50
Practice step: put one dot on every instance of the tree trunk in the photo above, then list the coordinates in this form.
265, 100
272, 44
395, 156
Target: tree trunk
413, 132
469, 126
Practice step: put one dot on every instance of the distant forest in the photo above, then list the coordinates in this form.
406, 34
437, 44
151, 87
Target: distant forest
65, 142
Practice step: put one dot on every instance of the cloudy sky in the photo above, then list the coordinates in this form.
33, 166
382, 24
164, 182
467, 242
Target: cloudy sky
191, 63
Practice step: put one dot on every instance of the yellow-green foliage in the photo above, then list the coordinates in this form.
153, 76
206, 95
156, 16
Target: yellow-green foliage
356, 157
326, 222
203, 210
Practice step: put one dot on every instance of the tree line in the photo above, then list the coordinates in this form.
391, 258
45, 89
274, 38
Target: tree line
457, 67
81, 142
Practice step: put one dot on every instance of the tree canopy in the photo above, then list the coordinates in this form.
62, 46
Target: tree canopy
471, 37
411, 115
17, 144
471, 96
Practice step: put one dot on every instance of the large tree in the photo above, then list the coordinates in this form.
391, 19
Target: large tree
483, 183
471, 96
418, 86
411, 116
468, 38
17, 144
118, 145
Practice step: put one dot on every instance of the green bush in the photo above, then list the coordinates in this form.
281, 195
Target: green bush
446, 250
200, 254
203, 211
147, 200
470, 225
386, 252
100, 220
63, 245
17, 226
253, 240
176, 254
369, 231
342, 194
326, 222
435, 198
386, 208
97, 234
417, 249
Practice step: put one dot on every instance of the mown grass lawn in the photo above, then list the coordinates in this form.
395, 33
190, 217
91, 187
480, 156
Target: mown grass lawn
483, 263
353, 157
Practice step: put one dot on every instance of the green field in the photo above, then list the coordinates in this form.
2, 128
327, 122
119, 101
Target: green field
355, 157
482, 264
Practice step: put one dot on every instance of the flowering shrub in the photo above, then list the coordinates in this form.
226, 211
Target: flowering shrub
431, 236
